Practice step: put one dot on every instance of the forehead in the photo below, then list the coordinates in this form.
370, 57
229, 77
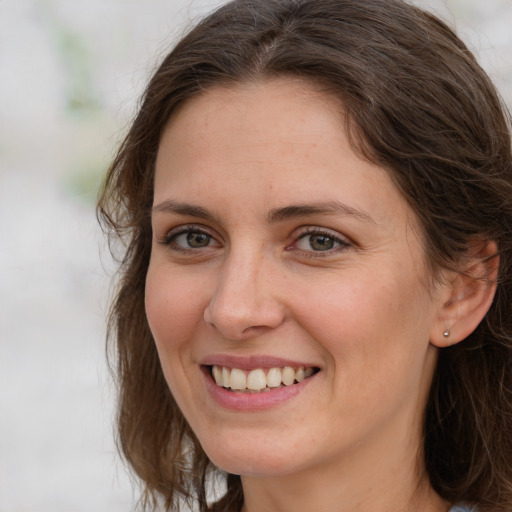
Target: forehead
271, 104
279, 118
281, 132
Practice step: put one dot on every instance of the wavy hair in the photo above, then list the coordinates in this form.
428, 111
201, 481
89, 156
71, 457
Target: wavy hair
417, 104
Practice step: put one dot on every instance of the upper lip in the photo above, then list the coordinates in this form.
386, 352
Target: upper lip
252, 362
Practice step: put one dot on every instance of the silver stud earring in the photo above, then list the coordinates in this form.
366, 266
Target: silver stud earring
446, 333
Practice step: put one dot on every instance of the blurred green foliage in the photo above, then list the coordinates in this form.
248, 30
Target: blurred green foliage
77, 62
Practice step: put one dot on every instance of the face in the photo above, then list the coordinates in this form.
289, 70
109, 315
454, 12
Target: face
291, 268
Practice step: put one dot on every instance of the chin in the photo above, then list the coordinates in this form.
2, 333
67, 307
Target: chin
250, 458
252, 466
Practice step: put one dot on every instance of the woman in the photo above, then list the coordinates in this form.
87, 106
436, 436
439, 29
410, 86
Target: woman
316, 202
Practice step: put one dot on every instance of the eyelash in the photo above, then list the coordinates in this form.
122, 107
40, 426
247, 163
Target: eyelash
342, 244
170, 239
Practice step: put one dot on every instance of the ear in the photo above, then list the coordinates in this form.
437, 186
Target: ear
467, 295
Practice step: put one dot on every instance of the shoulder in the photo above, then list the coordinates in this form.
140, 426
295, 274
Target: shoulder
463, 508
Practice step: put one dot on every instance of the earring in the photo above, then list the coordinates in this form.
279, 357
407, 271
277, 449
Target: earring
446, 333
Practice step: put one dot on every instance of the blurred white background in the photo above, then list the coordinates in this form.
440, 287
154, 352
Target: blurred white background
71, 72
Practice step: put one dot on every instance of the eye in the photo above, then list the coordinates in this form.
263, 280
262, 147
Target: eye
189, 238
317, 240
193, 239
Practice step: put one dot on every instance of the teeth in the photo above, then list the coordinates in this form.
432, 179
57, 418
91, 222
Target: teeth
226, 377
257, 380
217, 375
238, 379
288, 375
274, 377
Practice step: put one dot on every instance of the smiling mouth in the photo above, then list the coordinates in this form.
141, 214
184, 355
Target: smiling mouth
259, 380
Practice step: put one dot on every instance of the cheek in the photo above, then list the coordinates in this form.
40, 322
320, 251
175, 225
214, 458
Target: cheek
372, 324
377, 353
172, 314
347, 305
173, 305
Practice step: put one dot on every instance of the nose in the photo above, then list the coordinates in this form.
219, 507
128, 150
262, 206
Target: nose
245, 302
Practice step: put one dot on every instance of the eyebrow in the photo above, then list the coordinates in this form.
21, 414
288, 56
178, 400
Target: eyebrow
310, 209
188, 209
274, 216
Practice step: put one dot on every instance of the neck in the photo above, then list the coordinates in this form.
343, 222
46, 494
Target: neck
303, 495
396, 483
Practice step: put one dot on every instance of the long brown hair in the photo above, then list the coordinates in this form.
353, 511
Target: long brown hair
417, 104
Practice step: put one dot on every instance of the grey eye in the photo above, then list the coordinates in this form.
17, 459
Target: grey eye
191, 239
321, 242
318, 242
198, 240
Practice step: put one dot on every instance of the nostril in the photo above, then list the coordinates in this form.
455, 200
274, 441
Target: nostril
238, 310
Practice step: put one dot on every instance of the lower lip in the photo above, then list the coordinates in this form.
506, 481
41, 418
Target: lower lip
253, 401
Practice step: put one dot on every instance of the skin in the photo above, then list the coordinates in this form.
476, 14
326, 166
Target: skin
360, 311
